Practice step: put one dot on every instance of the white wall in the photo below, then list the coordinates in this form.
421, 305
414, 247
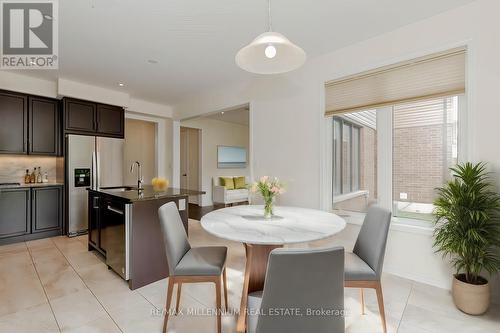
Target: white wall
213, 134
288, 129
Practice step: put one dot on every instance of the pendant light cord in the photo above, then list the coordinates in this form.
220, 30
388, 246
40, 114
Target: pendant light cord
269, 15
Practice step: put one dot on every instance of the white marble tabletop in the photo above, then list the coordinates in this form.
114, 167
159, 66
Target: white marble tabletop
247, 224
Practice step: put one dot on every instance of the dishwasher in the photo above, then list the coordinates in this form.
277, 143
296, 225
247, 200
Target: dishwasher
115, 236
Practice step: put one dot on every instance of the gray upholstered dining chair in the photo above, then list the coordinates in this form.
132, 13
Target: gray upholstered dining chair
303, 279
188, 264
363, 267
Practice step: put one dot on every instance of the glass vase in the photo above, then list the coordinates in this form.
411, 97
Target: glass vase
268, 208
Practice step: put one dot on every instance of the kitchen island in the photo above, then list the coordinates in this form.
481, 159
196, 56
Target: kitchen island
124, 227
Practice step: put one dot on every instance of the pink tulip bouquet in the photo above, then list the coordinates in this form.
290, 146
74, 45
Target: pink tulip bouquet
269, 189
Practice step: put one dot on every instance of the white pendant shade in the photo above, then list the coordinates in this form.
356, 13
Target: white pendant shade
270, 53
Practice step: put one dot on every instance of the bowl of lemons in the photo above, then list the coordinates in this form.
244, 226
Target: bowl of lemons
160, 184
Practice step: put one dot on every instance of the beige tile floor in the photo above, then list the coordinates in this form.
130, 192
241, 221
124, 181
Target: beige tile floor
56, 285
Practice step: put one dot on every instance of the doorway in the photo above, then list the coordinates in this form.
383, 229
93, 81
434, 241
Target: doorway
190, 160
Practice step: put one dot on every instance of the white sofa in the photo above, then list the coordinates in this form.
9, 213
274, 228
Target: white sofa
220, 195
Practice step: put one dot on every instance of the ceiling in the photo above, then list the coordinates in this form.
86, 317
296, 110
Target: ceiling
104, 42
238, 116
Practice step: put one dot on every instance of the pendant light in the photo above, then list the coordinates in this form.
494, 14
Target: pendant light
270, 53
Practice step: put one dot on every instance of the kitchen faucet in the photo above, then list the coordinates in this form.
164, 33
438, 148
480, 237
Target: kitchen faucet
139, 174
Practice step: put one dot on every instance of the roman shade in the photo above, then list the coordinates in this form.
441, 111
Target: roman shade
436, 75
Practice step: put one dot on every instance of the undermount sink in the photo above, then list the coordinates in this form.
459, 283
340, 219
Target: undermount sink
119, 188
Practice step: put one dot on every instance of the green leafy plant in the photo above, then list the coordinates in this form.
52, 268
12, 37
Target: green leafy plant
467, 222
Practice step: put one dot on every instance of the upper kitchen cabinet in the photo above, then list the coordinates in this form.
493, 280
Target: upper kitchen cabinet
88, 118
79, 116
29, 124
13, 123
44, 126
110, 120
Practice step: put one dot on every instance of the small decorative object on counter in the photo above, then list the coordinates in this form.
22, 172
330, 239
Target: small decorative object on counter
160, 184
39, 178
269, 189
27, 177
33, 176
45, 178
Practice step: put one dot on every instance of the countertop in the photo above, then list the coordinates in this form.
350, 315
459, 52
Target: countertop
148, 193
31, 185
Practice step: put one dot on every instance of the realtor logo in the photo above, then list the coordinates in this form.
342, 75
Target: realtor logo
29, 34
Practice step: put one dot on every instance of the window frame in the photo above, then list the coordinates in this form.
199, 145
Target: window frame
343, 122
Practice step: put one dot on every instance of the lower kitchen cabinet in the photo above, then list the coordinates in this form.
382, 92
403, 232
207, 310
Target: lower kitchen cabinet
46, 211
106, 224
15, 212
30, 213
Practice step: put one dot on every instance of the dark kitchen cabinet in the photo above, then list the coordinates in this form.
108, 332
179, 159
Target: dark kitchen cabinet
88, 118
13, 123
46, 213
29, 125
30, 213
44, 126
79, 116
110, 120
106, 224
15, 212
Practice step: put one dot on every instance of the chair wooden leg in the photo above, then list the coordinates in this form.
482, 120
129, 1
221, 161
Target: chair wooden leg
380, 299
224, 279
218, 304
362, 301
179, 287
169, 299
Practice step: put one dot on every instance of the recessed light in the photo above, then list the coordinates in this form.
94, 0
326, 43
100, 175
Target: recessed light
222, 112
152, 61
121, 84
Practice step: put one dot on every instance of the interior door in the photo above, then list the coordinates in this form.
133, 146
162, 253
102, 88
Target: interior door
193, 163
190, 162
184, 157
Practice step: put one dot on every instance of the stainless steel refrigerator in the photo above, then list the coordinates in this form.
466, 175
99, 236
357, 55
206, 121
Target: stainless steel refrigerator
93, 162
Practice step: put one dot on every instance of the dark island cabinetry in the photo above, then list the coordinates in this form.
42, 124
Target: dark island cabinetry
125, 228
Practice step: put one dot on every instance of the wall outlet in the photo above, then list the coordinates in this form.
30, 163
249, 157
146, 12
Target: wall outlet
403, 196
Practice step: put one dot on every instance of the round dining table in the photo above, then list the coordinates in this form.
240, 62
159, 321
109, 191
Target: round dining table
246, 224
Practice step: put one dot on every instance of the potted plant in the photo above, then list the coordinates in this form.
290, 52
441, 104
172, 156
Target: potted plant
468, 231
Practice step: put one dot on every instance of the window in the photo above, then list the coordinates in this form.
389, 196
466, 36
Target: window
346, 156
425, 146
354, 160
411, 109
421, 137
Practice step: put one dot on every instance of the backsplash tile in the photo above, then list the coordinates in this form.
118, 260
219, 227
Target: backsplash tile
13, 167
